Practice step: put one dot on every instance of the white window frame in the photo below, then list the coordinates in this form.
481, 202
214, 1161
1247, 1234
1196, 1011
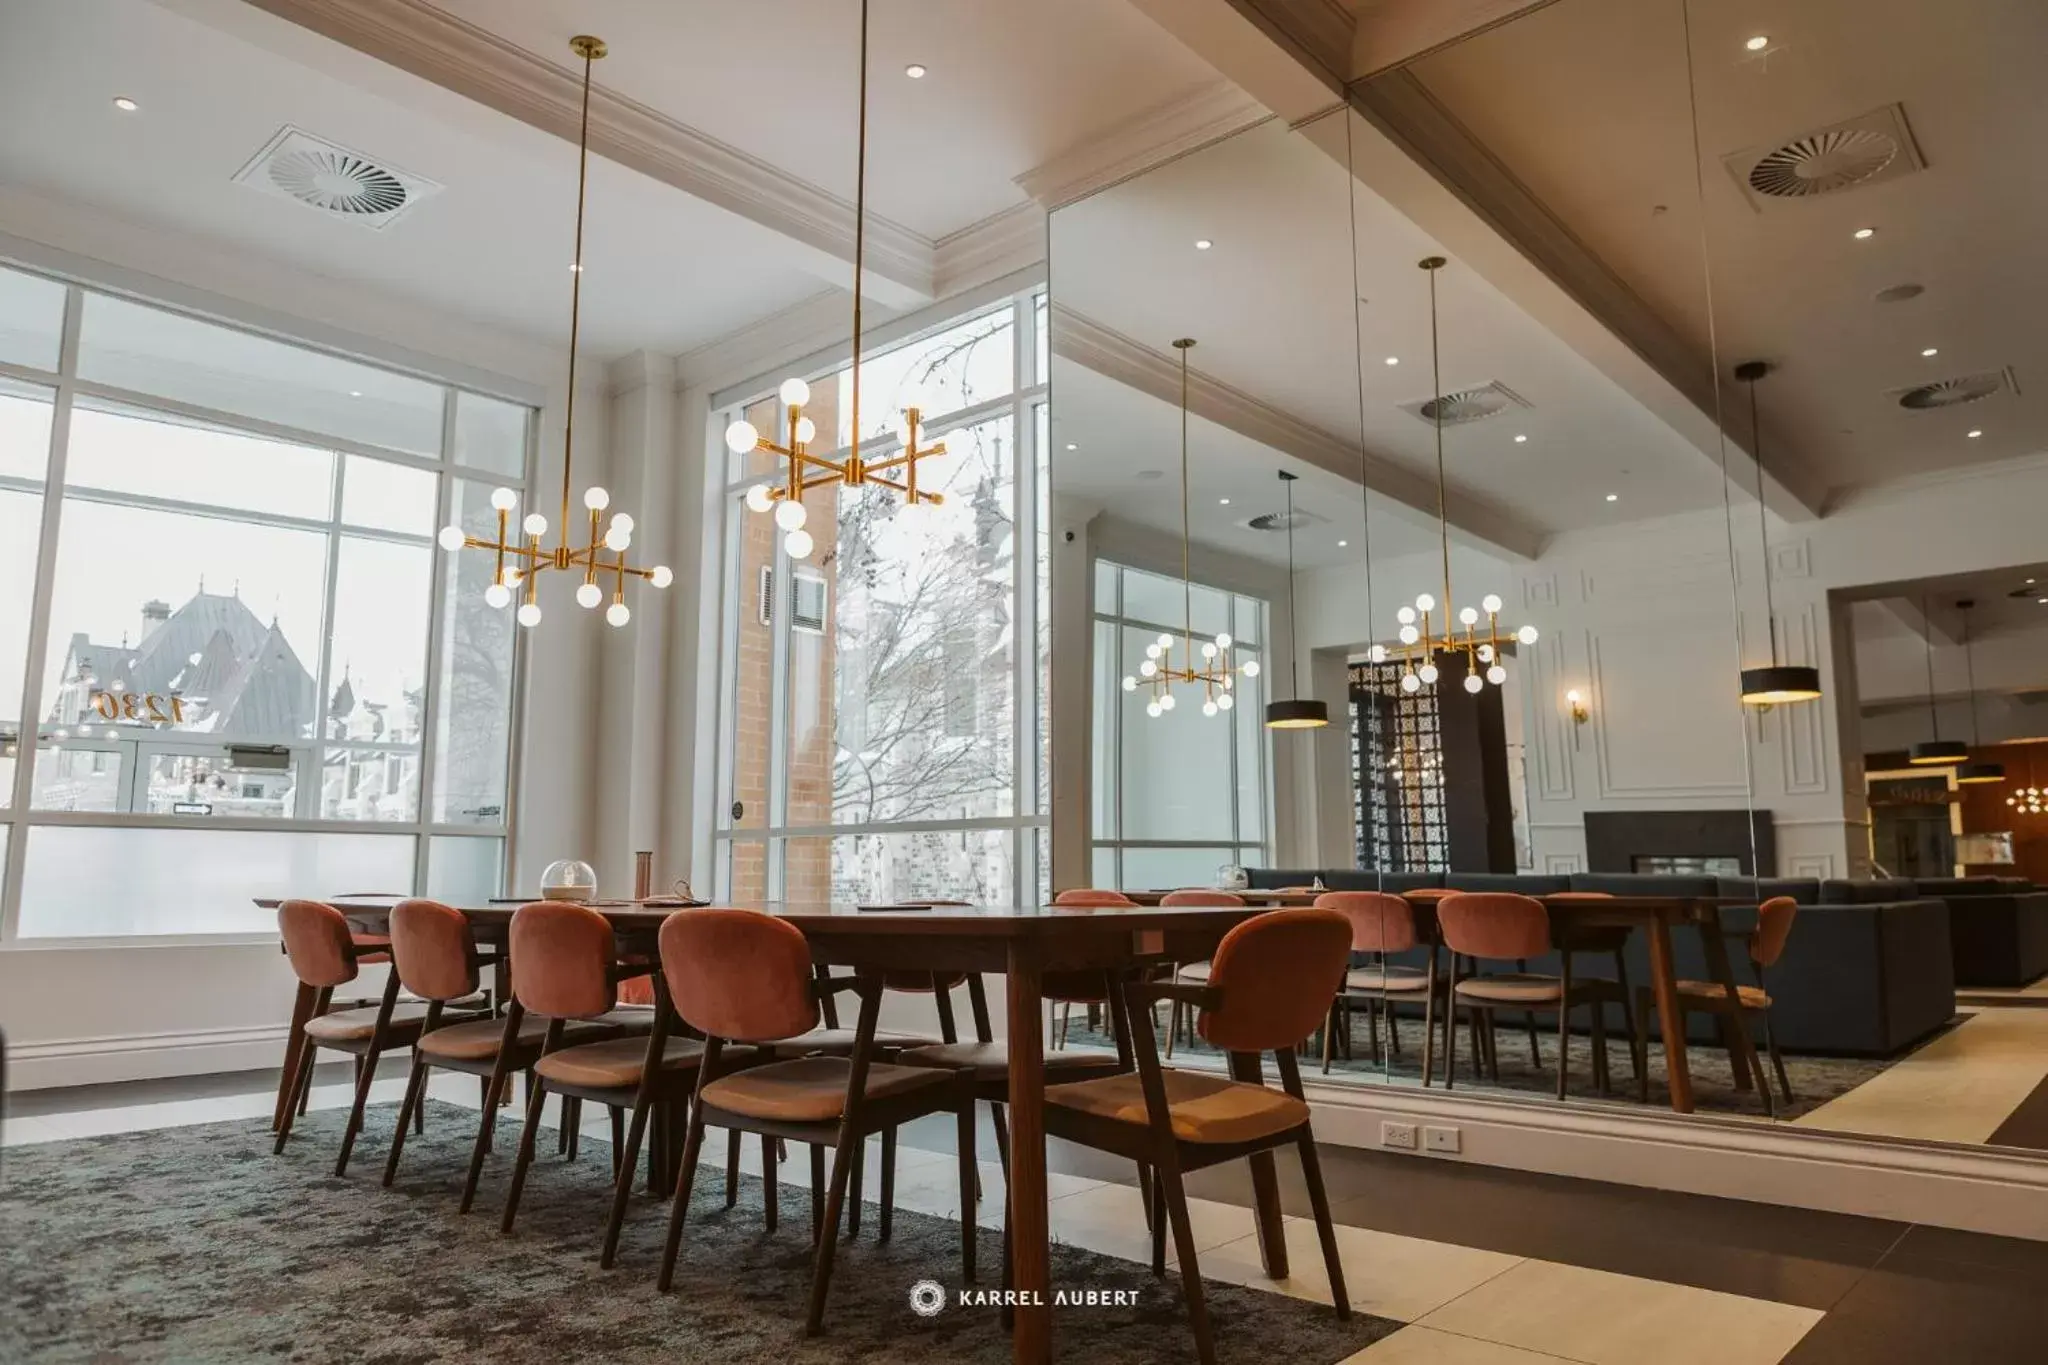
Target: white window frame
1029, 805
1109, 748
66, 387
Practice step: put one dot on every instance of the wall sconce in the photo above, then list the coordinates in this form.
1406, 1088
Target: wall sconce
1577, 703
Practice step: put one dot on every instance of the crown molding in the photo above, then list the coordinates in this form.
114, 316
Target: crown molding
1158, 135
1114, 356
1393, 33
458, 56
999, 245
1847, 497
769, 344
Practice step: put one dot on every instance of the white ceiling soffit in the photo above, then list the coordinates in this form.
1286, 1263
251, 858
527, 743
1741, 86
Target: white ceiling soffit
1110, 353
1159, 135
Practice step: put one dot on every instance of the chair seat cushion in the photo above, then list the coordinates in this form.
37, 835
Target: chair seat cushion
811, 1089
615, 1063
1753, 998
1512, 988
356, 1026
988, 1061
479, 1038
1387, 980
838, 1042
1203, 1108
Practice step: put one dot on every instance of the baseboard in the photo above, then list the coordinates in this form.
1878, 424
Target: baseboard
142, 1056
1976, 1189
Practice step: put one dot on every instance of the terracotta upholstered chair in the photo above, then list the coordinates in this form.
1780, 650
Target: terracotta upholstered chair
1499, 926
565, 967
1766, 945
436, 958
1196, 972
1068, 989
1382, 924
323, 955
1271, 984
744, 980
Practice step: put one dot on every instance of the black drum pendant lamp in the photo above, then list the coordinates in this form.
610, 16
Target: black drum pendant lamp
1935, 752
1975, 773
1299, 713
1776, 683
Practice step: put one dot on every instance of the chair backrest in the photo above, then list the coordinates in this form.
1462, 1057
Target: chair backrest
1277, 974
1082, 896
1494, 924
1380, 923
317, 943
1773, 927
562, 960
739, 974
1196, 896
433, 950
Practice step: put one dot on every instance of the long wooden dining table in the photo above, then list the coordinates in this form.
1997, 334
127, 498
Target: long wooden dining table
1022, 942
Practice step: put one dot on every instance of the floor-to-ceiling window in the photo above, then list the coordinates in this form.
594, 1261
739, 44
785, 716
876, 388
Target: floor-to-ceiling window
882, 699
232, 661
1181, 794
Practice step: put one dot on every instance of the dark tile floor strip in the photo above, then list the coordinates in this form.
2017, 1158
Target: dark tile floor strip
2026, 1126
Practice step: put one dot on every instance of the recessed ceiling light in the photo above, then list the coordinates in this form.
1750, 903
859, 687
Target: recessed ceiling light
2042, 601
1975, 434
1930, 351
1342, 543
1521, 439
355, 393
1393, 360
1072, 446
1864, 234
1614, 497
1203, 244
1759, 42
915, 71
1223, 502
125, 105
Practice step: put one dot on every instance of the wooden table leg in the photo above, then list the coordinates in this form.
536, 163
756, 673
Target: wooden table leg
1244, 1066
1670, 1019
302, 1010
1030, 1253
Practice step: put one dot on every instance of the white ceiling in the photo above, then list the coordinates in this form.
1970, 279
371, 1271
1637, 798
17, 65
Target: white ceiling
1268, 305
1585, 101
1009, 84
1128, 464
2007, 601
665, 271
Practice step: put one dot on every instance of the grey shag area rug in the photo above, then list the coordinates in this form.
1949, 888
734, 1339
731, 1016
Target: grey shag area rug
196, 1246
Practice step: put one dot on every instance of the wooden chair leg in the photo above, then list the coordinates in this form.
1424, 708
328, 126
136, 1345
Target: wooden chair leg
769, 1180
1600, 1076
1637, 1049
884, 1223
414, 1085
1393, 1029
1173, 1026
295, 1105
1329, 1031
679, 1207
487, 1122
1002, 1126
1564, 1046
1644, 1006
1158, 1229
622, 1188
294, 1053
853, 1200
529, 1133
365, 1074
1492, 1049
1326, 1231
732, 1167
1777, 1059
828, 1237
1176, 1197
817, 1190
970, 1179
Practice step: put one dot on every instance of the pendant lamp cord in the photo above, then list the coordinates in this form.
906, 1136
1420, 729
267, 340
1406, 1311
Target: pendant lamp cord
1763, 534
1970, 680
1436, 407
576, 289
1288, 480
1187, 584
860, 229
1358, 360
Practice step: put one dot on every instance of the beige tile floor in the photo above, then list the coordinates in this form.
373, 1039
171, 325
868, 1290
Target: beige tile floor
1466, 1306
1958, 1088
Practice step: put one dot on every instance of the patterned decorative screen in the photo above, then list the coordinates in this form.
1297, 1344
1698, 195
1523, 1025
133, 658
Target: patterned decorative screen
1397, 771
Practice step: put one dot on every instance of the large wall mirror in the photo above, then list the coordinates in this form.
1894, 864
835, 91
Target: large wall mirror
1581, 348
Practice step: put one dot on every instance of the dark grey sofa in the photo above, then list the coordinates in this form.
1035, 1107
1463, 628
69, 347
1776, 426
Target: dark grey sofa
1867, 971
1998, 928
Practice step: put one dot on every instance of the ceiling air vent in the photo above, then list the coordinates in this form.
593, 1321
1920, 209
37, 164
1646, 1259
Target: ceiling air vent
1466, 405
329, 177
1864, 150
1281, 521
1950, 393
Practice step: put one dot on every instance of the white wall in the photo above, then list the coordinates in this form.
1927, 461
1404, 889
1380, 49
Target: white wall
115, 1012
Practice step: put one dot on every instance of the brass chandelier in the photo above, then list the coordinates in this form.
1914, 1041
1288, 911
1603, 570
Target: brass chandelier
1423, 635
2031, 799
803, 471
1215, 673
603, 558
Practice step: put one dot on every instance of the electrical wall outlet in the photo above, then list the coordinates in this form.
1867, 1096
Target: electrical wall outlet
1401, 1135
1441, 1140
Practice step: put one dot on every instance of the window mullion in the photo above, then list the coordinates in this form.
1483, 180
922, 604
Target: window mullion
437, 615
